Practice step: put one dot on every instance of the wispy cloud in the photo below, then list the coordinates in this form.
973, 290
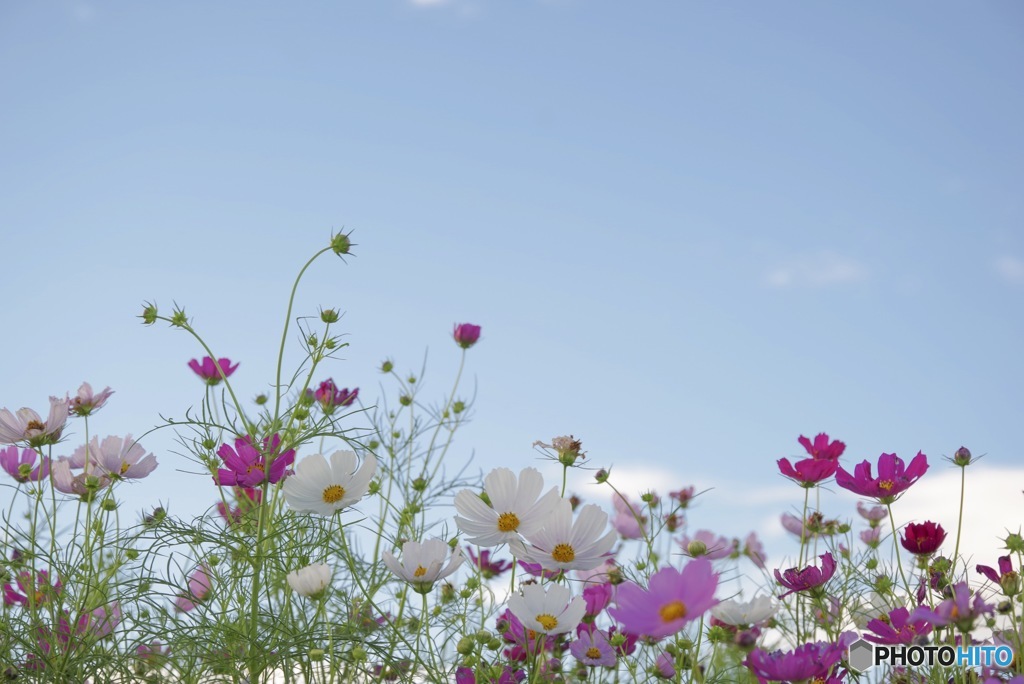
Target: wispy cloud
820, 269
1009, 268
428, 3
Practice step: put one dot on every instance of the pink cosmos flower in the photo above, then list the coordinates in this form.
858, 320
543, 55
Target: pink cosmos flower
629, 519
874, 514
811, 577
465, 675
923, 539
872, 537
210, 371
83, 485
488, 567
717, 546
246, 465
597, 598
809, 471
810, 661
34, 589
198, 590
671, 601
959, 609
246, 498
466, 334
893, 477
665, 665
592, 648
28, 426
85, 402
1007, 578
897, 628
754, 550
90, 626
117, 458
823, 449
330, 397
683, 496
21, 468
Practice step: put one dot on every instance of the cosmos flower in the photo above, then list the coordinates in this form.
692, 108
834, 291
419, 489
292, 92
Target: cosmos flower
740, 613
897, 628
564, 544
715, 546
210, 371
324, 489
874, 514
197, 592
754, 550
115, 457
83, 485
959, 609
33, 589
592, 648
466, 334
310, 581
811, 577
330, 396
423, 563
21, 469
28, 426
629, 520
85, 402
547, 612
922, 539
822, 448
247, 465
672, 600
489, 568
517, 507
810, 661
1007, 578
808, 472
893, 479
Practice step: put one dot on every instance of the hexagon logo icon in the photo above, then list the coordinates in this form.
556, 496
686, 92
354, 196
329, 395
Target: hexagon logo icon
861, 655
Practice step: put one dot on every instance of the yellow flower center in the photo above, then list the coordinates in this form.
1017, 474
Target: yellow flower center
333, 494
548, 622
255, 466
124, 467
35, 425
673, 611
508, 522
420, 571
593, 653
563, 553
886, 485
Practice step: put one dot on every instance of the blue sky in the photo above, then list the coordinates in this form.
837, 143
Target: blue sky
690, 231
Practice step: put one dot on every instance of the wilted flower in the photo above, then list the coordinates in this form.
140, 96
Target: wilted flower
672, 600
423, 563
893, 477
115, 457
466, 334
85, 402
548, 612
811, 577
198, 590
754, 550
247, 466
923, 539
1007, 578
564, 544
28, 426
325, 489
21, 469
212, 372
517, 507
310, 581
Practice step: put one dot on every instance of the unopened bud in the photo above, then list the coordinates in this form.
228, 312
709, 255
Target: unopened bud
329, 316
387, 366
1010, 582
458, 407
149, 314
260, 399
405, 400
962, 457
1015, 543
109, 505
341, 244
465, 646
601, 476
696, 548
316, 654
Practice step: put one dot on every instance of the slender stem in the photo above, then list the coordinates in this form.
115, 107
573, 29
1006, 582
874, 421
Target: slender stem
960, 518
896, 546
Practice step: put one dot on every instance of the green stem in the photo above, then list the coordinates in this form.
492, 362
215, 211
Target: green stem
960, 518
896, 546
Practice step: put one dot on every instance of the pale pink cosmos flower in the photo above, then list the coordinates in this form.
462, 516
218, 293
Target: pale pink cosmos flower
198, 590
629, 519
21, 469
115, 457
672, 600
28, 426
84, 485
717, 546
85, 402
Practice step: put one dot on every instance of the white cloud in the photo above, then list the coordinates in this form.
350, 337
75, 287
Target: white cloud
1010, 269
817, 270
428, 3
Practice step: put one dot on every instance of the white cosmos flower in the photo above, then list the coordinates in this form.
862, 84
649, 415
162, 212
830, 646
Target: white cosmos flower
547, 612
310, 580
423, 563
566, 545
319, 487
516, 507
736, 613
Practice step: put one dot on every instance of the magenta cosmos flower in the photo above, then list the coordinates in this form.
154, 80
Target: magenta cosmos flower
28, 426
672, 600
893, 479
811, 577
247, 465
21, 469
466, 334
821, 448
198, 590
809, 471
959, 609
1007, 578
897, 628
810, 661
86, 401
210, 371
330, 397
33, 590
923, 539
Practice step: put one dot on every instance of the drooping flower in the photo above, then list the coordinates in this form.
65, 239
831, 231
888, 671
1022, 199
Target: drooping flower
893, 479
923, 539
331, 397
247, 465
488, 567
1007, 578
565, 544
325, 489
423, 563
672, 600
592, 648
211, 371
629, 520
810, 661
874, 515
715, 546
811, 577
28, 426
33, 589
246, 498
115, 457
597, 597
665, 665
21, 468
808, 472
821, 448
198, 590
683, 496
85, 402
466, 334
959, 609
754, 550
310, 581
872, 537
547, 612
517, 507
897, 628
741, 613
83, 485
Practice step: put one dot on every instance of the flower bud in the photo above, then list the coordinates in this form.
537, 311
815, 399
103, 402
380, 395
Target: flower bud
329, 316
962, 457
109, 505
341, 244
179, 319
1015, 543
465, 646
316, 654
260, 399
131, 554
697, 548
149, 314
458, 407
601, 476
387, 366
1010, 582
405, 400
